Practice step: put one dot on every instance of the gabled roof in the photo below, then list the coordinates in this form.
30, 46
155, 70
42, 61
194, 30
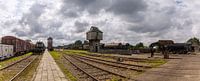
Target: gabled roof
165, 42
50, 38
95, 29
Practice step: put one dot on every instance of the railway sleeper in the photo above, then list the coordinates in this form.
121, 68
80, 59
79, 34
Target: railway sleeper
83, 76
111, 64
105, 77
90, 68
114, 73
100, 74
118, 62
13, 69
81, 73
85, 79
96, 72
71, 61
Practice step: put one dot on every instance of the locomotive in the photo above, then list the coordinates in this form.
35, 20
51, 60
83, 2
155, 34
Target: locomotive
39, 48
11, 46
171, 47
180, 48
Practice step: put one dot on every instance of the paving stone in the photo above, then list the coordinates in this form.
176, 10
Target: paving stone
48, 70
185, 69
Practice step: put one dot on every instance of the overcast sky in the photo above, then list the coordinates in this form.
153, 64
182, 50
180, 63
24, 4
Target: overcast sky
130, 21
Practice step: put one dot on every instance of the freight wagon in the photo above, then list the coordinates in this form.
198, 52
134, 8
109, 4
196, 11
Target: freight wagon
19, 46
6, 51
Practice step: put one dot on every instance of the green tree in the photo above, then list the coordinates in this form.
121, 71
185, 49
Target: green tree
139, 45
78, 42
194, 41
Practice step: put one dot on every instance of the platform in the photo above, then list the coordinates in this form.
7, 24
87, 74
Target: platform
48, 70
181, 68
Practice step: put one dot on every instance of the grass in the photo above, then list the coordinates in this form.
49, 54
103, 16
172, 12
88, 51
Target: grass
57, 56
150, 62
11, 60
83, 52
77, 52
29, 71
4, 76
115, 79
155, 62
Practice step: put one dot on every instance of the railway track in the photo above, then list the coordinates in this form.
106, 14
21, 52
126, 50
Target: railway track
90, 72
125, 58
139, 68
11, 72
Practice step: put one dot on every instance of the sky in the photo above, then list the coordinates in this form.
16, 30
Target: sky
131, 21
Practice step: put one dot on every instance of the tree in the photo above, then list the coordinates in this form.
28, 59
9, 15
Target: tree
78, 42
139, 45
71, 46
194, 41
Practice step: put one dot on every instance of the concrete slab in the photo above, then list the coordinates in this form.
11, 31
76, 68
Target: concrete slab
185, 69
48, 70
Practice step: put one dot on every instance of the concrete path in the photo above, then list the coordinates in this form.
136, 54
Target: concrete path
48, 70
183, 68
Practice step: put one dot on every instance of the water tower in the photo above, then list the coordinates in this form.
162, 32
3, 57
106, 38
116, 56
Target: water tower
50, 44
94, 35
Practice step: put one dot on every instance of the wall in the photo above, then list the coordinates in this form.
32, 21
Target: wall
116, 51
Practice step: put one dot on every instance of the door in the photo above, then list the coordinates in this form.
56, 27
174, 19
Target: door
96, 48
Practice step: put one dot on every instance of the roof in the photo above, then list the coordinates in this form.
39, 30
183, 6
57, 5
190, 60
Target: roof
95, 29
181, 44
50, 38
113, 44
166, 42
11, 37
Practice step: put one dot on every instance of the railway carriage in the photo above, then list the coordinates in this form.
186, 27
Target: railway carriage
19, 46
6, 51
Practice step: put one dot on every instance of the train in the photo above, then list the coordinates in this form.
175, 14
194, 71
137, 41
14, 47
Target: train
180, 48
11, 46
6, 51
19, 46
39, 48
124, 46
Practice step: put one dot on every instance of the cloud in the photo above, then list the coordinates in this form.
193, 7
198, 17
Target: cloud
75, 8
121, 20
31, 20
127, 7
80, 26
